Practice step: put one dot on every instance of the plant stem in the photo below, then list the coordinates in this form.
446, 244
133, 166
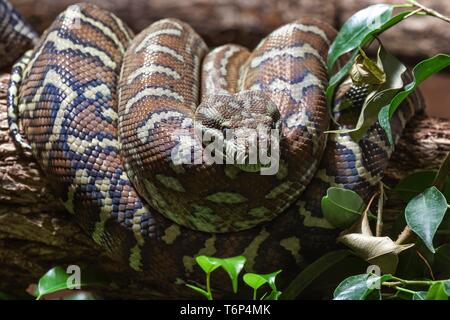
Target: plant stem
208, 285
404, 290
414, 282
407, 235
254, 294
415, 12
430, 11
427, 264
404, 5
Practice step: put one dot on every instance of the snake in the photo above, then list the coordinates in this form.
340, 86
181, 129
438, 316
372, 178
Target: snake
106, 114
16, 35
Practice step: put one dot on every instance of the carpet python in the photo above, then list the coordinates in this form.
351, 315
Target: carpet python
103, 110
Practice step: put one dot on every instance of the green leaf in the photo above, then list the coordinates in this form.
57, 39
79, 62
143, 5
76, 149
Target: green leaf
420, 295
341, 207
353, 288
80, 296
255, 280
233, 267
336, 78
57, 279
447, 287
199, 290
360, 287
208, 264
421, 72
393, 69
385, 122
312, 272
356, 29
54, 280
424, 214
414, 184
437, 292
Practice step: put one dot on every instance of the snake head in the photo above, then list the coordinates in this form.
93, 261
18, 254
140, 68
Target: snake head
244, 122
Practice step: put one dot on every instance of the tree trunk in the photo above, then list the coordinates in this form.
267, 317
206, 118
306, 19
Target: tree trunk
36, 233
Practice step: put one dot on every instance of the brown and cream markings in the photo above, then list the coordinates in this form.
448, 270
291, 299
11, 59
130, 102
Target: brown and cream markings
100, 110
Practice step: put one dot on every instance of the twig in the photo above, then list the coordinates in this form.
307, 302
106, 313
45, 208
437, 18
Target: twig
427, 264
379, 227
417, 11
430, 11
397, 281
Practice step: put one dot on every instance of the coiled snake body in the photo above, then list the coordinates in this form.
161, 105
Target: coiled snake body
100, 111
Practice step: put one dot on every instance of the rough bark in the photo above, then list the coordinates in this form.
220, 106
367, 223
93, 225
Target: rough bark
36, 233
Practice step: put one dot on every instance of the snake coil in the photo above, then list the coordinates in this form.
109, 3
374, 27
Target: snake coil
100, 109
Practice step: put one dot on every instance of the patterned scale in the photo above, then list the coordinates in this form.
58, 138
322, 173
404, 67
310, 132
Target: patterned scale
16, 36
68, 109
67, 103
282, 81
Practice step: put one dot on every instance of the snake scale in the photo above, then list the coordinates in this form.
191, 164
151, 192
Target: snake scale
104, 112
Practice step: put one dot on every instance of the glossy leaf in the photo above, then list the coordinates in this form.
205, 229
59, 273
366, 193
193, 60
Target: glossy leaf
369, 33
57, 279
421, 72
353, 288
255, 280
341, 207
233, 267
424, 214
437, 292
208, 264
54, 280
447, 287
312, 272
420, 295
393, 69
356, 29
336, 78
360, 287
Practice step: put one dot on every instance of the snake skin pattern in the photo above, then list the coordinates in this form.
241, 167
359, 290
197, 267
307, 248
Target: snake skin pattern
16, 36
285, 76
66, 94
